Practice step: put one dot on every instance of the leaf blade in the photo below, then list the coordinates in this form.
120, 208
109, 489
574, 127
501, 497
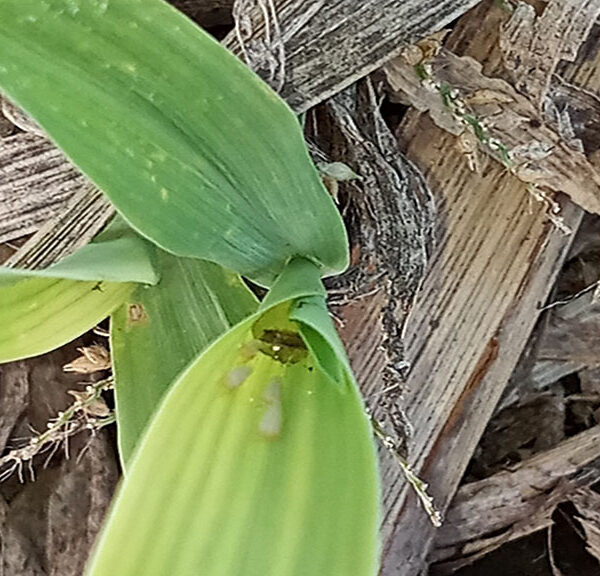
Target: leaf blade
41, 310
38, 315
117, 254
208, 439
194, 303
180, 116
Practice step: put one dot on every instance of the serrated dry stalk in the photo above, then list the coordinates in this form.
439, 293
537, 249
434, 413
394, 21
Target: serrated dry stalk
418, 485
94, 358
87, 412
479, 129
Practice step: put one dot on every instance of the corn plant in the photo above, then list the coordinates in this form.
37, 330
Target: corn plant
242, 434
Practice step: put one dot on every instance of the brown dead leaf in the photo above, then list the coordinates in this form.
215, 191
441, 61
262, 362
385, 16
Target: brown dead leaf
540, 156
431, 45
488, 96
425, 49
413, 55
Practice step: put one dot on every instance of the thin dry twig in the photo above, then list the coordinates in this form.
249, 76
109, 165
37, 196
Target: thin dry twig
418, 485
87, 412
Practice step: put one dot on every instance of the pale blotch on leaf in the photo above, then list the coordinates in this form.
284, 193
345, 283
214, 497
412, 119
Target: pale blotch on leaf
236, 377
130, 67
158, 155
270, 424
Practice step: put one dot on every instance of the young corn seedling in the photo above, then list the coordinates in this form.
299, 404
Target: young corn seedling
243, 437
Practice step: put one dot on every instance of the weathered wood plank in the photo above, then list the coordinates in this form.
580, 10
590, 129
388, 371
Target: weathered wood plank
472, 320
85, 215
497, 260
587, 502
35, 181
330, 44
533, 47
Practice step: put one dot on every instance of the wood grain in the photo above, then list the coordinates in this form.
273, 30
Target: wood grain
330, 44
35, 181
496, 262
84, 216
533, 47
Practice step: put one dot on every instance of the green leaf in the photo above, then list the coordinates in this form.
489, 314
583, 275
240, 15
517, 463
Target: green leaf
300, 283
194, 150
252, 466
40, 314
161, 329
117, 254
320, 336
41, 310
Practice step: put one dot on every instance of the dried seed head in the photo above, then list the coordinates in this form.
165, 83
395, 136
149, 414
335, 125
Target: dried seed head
93, 358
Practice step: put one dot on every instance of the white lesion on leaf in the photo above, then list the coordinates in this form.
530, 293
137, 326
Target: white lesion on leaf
270, 424
237, 376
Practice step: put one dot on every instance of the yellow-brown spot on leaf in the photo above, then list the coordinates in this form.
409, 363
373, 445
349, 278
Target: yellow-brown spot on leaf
137, 314
284, 346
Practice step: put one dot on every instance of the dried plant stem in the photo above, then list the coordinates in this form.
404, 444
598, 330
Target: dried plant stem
417, 484
87, 412
479, 128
